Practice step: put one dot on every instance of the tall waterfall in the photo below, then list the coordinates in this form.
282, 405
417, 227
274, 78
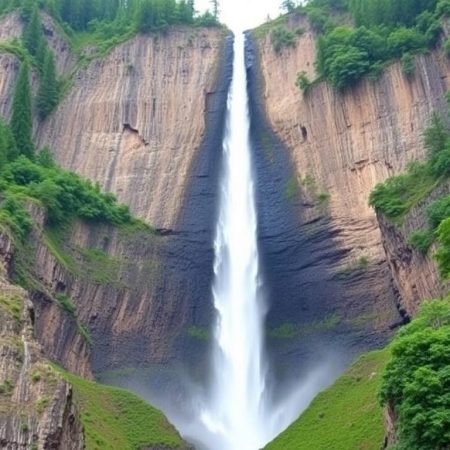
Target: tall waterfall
235, 411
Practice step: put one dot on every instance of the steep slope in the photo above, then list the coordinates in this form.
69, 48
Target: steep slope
345, 416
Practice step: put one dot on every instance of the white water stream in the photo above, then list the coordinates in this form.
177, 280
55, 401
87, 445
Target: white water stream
235, 408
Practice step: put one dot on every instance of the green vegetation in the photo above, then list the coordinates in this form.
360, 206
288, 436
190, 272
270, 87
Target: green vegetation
103, 20
22, 119
303, 82
399, 194
12, 304
416, 383
66, 303
200, 333
291, 331
343, 417
358, 38
281, 38
114, 418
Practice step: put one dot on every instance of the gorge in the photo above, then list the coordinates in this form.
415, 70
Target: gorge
284, 225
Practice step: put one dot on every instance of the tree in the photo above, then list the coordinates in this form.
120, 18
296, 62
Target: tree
215, 8
21, 120
8, 150
48, 95
32, 34
416, 382
288, 6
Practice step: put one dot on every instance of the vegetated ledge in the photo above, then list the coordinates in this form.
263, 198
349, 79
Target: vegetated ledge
415, 273
96, 293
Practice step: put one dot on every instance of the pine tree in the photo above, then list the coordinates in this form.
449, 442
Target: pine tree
32, 34
215, 6
8, 149
21, 120
48, 95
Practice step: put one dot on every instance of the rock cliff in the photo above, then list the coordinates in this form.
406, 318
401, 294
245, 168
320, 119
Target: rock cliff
340, 145
415, 275
36, 404
134, 121
145, 121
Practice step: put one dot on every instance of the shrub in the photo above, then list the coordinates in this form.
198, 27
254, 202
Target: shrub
407, 62
303, 82
417, 379
438, 211
421, 240
281, 38
405, 40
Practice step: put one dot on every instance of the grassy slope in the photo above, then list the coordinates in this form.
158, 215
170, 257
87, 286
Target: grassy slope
115, 419
344, 417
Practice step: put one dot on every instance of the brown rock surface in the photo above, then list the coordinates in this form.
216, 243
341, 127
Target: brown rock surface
36, 406
135, 119
416, 275
345, 143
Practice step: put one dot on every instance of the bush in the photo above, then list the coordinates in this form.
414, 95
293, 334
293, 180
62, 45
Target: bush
417, 379
281, 38
398, 194
405, 40
443, 8
407, 62
303, 82
421, 240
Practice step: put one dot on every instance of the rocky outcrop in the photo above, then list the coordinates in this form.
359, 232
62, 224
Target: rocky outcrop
416, 275
36, 407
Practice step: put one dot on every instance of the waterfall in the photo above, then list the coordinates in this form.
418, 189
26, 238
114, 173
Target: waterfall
234, 412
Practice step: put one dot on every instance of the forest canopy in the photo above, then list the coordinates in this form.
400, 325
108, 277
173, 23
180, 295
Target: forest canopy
357, 38
115, 16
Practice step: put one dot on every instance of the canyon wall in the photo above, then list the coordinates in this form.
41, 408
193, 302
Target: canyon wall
37, 408
146, 122
340, 145
135, 120
416, 275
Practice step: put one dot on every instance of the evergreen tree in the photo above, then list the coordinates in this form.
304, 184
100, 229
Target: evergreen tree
21, 120
32, 34
8, 149
215, 8
48, 95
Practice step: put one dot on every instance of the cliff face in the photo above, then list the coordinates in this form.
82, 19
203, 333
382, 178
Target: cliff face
416, 275
36, 407
340, 145
146, 122
134, 120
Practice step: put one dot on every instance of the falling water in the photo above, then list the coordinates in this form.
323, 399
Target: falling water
236, 413
234, 410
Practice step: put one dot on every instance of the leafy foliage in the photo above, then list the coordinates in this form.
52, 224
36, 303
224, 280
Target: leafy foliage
64, 194
416, 382
281, 38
